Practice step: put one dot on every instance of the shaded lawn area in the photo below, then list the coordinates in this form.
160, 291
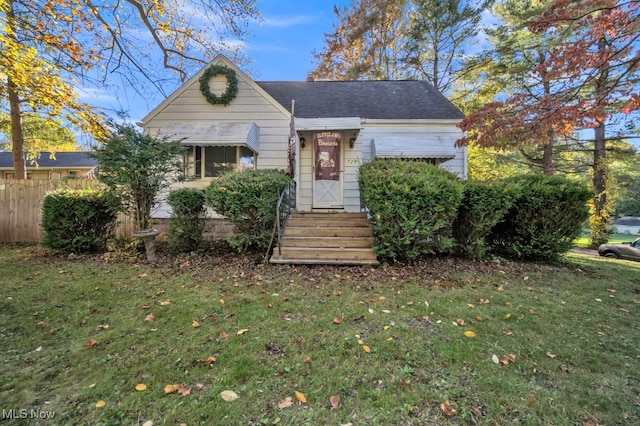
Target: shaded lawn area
553, 344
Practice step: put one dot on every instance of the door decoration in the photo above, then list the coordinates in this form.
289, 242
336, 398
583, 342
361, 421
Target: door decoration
232, 85
327, 155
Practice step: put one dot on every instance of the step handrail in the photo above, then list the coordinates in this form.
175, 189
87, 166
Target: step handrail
286, 204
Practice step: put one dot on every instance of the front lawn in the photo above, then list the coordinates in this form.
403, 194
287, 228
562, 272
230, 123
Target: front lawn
94, 341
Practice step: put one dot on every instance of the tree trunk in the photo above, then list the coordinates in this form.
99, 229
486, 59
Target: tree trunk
548, 165
601, 213
601, 209
17, 139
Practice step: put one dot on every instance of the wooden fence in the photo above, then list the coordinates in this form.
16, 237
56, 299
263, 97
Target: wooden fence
21, 208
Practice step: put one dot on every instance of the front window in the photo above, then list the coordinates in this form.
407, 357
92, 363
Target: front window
212, 161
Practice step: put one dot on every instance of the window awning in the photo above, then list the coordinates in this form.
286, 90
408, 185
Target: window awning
328, 123
440, 147
215, 134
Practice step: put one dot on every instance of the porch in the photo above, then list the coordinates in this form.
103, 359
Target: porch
330, 238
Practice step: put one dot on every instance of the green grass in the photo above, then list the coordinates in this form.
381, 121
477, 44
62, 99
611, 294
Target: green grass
572, 329
584, 241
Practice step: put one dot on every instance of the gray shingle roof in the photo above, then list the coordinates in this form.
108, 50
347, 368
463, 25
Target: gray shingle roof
372, 99
63, 159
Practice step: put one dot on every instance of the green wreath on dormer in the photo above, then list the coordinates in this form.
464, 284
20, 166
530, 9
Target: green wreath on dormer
232, 85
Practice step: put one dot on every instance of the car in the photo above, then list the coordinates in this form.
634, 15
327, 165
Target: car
629, 251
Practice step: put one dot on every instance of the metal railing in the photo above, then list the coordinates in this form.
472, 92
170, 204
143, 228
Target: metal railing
286, 204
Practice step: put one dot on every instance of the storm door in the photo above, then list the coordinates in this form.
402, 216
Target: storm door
327, 172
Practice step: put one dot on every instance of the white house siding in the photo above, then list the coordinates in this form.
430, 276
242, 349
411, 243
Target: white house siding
413, 129
250, 105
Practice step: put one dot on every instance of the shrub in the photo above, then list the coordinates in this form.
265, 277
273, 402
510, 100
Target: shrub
76, 221
546, 217
483, 206
187, 220
248, 199
138, 167
412, 206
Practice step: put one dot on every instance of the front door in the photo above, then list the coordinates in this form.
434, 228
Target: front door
327, 172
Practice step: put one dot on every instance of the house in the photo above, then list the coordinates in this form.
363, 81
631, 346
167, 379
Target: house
51, 167
629, 225
352, 122
232, 122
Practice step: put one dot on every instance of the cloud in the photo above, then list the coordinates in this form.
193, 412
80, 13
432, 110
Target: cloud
94, 96
287, 21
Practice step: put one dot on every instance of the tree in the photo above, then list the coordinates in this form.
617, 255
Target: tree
137, 167
49, 47
400, 39
595, 64
40, 135
440, 35
365, 43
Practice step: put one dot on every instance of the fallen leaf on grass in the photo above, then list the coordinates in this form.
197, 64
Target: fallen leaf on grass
141, 387
469, 334
103, 326
243, 331
508, 359
300, 397
337, 320
447, 409
460, 322
223, 335
91, 343
100, 404
367, 349
288, 402
150, 317
495, 359
148, 423
195, 323
165, 303
551, 355
228, 395
180, 389
484, 301
335, 401
42, 324
210, 360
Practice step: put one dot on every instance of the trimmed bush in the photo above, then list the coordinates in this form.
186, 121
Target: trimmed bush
483, 206
187, 220
412, 206
248, 199
546, 217
79, 221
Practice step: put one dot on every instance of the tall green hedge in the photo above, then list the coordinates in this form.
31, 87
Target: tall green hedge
483, 206
248, 199
544, 220
188, 219
412, 206
76, 221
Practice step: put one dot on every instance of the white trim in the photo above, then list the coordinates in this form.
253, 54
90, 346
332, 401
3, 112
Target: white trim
328, 123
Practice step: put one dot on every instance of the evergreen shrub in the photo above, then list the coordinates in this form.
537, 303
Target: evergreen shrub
546, 217
483, 205
188, 219
79, 221
248, 199
412, 205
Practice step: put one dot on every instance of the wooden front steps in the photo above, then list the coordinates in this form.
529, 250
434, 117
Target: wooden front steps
334, 238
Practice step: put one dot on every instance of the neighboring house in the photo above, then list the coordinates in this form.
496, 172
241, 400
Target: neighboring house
627, 225
59, 166
339, 125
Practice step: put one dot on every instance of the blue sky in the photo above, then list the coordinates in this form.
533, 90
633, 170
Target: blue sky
281, 47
